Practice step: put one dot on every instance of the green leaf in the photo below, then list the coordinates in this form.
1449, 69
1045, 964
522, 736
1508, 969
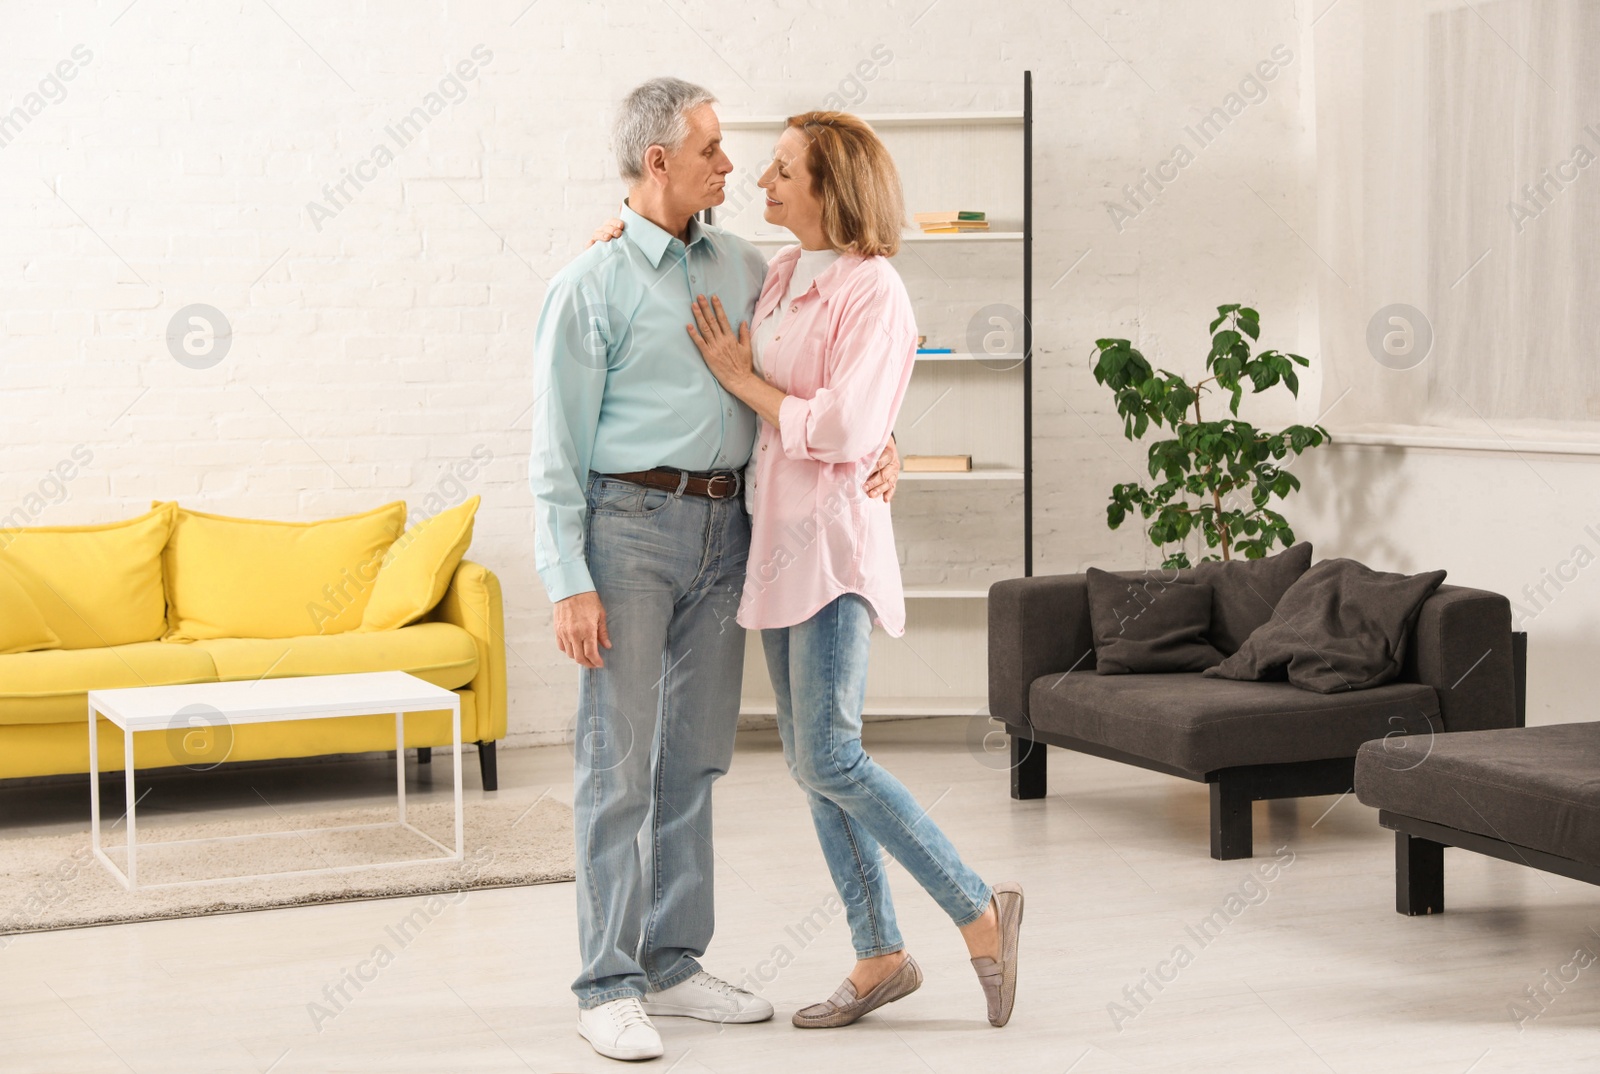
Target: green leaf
1222, 315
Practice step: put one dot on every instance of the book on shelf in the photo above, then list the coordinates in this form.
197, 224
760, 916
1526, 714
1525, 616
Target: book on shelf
957, 217
951, 223
936, 464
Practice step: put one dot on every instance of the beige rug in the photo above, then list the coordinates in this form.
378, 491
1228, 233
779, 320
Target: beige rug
55, 882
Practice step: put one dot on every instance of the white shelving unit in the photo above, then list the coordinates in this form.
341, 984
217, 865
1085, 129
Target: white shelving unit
908, 236
889, 120
975, 474
958, 532
958, 356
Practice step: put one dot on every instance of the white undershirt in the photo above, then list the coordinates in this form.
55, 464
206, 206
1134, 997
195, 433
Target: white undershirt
812, 263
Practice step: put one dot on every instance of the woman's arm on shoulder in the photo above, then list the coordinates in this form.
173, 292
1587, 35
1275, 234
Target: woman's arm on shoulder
611, 229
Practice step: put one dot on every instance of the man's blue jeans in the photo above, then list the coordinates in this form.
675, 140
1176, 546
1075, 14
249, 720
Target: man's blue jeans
819, 672
654, 729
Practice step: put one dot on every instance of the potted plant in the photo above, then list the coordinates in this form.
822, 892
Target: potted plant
1214, 477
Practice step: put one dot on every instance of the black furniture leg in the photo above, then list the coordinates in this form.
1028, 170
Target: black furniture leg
1028, 768
424, 754
1418, 875
486, 766
1519, 675
1231, 833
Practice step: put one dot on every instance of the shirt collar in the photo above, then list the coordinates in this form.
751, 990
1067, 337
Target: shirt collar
829, 279
832, 278
653, 240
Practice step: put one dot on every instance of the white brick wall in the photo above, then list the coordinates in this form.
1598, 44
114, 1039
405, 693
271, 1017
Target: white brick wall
370, 355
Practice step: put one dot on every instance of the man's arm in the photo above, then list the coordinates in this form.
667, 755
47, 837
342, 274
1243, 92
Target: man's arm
571, 343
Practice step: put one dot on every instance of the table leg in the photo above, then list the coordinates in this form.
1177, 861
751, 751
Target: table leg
127, 768
400, 761
455, 744
94, 783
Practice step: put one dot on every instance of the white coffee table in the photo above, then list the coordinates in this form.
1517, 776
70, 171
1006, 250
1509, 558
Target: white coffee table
311, 697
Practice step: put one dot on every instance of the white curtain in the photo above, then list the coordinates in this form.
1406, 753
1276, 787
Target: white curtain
1458, 150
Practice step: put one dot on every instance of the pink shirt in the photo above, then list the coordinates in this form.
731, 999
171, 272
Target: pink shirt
843, 353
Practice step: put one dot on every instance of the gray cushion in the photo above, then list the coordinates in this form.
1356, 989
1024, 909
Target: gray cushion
1244, 591
1199, 725
1149, 623
1341, 626
1536, 787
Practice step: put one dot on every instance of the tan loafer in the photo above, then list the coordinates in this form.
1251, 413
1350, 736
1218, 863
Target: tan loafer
999, 979
844, 1006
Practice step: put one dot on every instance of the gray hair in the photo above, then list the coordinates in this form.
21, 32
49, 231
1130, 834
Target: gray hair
654, 113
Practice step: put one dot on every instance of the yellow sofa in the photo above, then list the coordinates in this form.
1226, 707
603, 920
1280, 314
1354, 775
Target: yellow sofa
458, 645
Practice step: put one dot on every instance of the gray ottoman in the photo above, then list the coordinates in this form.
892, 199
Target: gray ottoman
1529, 795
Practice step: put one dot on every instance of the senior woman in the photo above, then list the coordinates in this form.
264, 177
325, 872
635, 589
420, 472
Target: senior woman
826, 368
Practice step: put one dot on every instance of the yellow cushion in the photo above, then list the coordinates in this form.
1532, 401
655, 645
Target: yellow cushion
418, 568
22, 627
440, 653
94, 585
246, 578
49, 686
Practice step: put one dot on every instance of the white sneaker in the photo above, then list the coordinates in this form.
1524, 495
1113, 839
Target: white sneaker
620, 1030
708, 998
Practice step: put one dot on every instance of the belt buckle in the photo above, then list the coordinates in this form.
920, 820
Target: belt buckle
712, 485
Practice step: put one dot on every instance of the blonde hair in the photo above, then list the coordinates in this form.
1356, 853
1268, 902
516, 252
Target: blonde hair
853, 175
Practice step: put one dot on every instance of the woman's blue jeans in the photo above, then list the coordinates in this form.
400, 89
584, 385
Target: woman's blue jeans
819, 673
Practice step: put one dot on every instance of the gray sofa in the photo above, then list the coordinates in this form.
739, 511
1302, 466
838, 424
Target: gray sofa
1248, 740
1528, 795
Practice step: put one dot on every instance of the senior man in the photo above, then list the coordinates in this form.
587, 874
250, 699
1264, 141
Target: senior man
641, 543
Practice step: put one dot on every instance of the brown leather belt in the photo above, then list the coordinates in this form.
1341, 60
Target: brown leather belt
712, 484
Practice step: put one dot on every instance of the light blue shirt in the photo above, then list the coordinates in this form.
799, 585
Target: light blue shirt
618, 384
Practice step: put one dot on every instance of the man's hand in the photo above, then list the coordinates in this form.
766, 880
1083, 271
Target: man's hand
886, 475
581, 628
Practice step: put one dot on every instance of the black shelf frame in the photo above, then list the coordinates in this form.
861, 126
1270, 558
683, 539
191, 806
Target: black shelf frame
1027, 324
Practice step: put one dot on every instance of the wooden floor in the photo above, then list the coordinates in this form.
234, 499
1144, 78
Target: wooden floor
1305, 967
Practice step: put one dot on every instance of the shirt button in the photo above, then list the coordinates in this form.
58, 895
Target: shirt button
730, 412
794, 307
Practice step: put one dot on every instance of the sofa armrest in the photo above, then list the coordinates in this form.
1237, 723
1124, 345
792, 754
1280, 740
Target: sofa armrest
473, 603
1036, 626
1461, 646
